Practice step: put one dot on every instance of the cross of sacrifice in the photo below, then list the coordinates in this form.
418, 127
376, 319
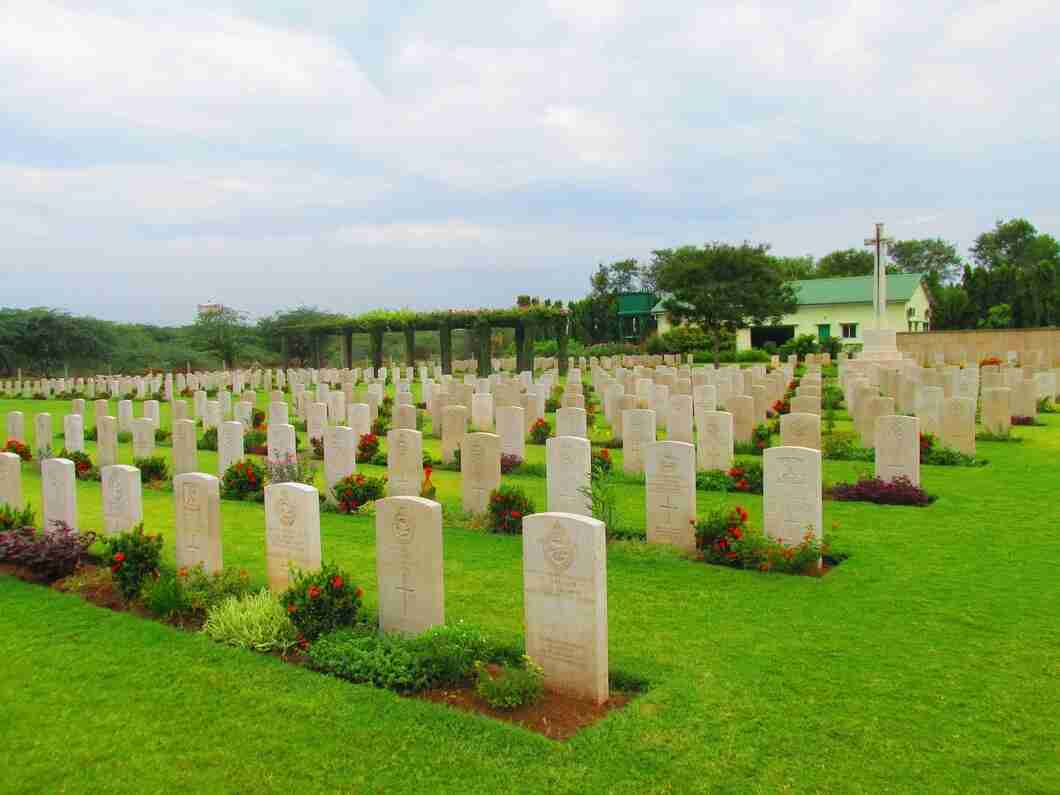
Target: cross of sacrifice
879, 275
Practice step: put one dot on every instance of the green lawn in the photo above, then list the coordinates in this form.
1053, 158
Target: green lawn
927, 662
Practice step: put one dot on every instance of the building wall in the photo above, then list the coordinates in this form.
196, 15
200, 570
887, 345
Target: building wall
966, 346
807, 318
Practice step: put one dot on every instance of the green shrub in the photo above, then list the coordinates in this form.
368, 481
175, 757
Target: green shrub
164, 595
446, 655
153, 469
354, 492
204, 591
132, 557
208, 440
244, 480
512, 687
12, 518
255, 621
507, 507
540, 431
321, 601
361, 656
84, 469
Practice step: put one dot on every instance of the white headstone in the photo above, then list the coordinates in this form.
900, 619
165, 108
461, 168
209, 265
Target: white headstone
792, 493
569, 459
715, 443
122, 498
898, 448
292, 531
11, 480
409, 564
480, 469
670, 478
197, 526
404, 462
59, 503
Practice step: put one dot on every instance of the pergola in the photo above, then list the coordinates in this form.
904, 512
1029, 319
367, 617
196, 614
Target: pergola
530, 323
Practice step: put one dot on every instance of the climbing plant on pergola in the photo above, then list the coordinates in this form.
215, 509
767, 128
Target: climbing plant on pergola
530, 323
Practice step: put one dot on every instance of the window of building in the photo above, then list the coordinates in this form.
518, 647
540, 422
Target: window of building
824, 331
850, 330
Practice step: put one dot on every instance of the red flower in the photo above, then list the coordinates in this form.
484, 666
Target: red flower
427, 471
291, 608
741, 485
116, 568
736, 533
741, 513
336, 582
119, 557
314, 592
731, 556
359, 592
515, 514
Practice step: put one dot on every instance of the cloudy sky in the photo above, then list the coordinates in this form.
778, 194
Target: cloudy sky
356, 154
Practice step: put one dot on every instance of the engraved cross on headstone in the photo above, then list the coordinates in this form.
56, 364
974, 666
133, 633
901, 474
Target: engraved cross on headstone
879, 275
406, 591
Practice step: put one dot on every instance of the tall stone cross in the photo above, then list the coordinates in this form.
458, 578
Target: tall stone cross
879, 276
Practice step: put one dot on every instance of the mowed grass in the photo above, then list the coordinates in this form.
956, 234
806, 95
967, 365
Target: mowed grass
927, 662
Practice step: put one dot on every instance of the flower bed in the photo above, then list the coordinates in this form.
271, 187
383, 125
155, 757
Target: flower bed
507, 507
899, 491
747, 478
19, 449
725, 538
354, 492
244, 480
367, 448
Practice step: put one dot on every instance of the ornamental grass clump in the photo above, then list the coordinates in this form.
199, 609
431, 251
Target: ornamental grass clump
256, 621
321, 601
133, 557
507, 507
899, 491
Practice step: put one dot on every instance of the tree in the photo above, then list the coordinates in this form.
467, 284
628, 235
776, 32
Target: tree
849, 262
934, 257
793, 268
223, 332
722, 287
1014, 243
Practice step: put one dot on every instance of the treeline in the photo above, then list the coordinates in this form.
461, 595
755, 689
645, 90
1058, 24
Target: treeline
1011, 279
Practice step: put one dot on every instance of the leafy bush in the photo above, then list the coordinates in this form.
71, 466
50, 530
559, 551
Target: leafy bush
440, 657
244, 480
682, 339
948, 457
726, 539
513, 686
540, 431
321, 601
510, 462
745, 477
317, 444
208, 440
367, 447
162, 436
427, 489
84, 469
132, 557
255, 621
354, 492
831, 397
601, 461
257, 419
19, 449
761, 436
53, 553
163, 594
508, 505
290, 470
12, 518
255, 442
1016, 419
843, 446
899, 491
153, 469
803, 344
189, 591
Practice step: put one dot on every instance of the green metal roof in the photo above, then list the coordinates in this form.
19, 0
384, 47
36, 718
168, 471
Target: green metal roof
854, 289
630, 304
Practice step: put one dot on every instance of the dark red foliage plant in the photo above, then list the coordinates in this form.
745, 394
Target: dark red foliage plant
899, 491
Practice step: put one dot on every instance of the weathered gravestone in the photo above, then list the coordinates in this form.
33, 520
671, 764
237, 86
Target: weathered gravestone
742, 409
185, 453
638, 431
571, 422
898, 448
480, 469
122, 498
197, 529
143, 437
454, 428
42, 435
958, 424
59, 495
715, 443
997, 410
792, 493
74, 433
405, 417
125, 416
409, 570
107, 441
511, 428
340, 457
799, 429
229, 446
679, 426
278, 413
565, 601
16, 426
292, 531
670, 478
569, 459
404, 462
11, 480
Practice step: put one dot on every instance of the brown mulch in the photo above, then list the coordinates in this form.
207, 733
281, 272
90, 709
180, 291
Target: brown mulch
555, 715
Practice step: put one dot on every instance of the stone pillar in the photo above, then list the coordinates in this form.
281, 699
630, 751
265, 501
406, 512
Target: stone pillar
483, 333
376, 344
445, 343
347, 348
520, 353
562, 352
410, 346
